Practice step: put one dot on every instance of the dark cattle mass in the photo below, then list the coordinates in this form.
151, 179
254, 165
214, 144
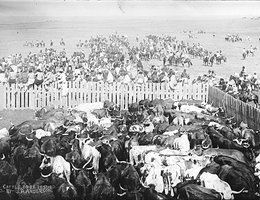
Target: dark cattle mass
142, 153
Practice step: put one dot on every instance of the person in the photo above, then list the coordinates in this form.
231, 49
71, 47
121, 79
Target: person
184, 74
38, 77
244, 53
12, 76
243, 72
31, 79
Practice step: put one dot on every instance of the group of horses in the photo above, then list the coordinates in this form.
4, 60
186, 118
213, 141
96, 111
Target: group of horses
249, 52
209, 60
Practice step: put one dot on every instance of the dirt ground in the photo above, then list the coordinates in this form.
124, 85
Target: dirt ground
16, 117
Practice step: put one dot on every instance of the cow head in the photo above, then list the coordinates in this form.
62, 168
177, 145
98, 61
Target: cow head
46, 166
67, 191
49, 146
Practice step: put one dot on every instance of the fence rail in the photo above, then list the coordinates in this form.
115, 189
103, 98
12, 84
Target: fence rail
122, 94
234, 107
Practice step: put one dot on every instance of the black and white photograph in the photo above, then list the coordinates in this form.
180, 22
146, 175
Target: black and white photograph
129, 100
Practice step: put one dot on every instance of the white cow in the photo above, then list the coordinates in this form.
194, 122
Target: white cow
59, 166
89, 107
174, 174
257, 170
91, 153
154, 177
4, 133
212, 181
182, 143
139, 151
39, 133
257, 159
191, 108
153, 157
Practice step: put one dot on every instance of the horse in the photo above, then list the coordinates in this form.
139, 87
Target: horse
244, 55
186, 60
211, 60
220, 58
206, 61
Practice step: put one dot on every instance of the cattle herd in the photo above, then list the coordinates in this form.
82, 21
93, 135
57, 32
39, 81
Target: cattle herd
155, 150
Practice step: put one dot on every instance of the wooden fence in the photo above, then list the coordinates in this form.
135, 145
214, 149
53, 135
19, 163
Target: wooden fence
234, 107
122, 94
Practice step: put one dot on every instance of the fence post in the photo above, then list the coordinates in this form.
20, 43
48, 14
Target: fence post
2, 97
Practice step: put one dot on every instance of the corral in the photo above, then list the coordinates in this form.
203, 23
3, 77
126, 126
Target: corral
123, 95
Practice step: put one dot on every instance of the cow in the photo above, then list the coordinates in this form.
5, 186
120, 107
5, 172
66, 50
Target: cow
8, 173
237, 174
212, 181
89, 107
236, 154
40, 113
182, 143
102, 189
33, 124
190, 191
5, 148
154, 176
4, 133
39, 133
58, 165
107, 158
83, 185
137, 152
90, 153
49, 146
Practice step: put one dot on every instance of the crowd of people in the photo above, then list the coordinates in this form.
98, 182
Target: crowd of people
41, 44
233, 38
110, 60
249, 51
113, 59
242, 85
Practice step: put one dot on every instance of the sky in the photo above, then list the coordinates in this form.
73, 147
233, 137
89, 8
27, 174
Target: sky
178, 9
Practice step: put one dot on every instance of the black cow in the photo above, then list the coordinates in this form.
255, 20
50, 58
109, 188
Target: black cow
107, 159
5, 149
191, 191
49, 146
218, 140
8, 173
83, 185
103, 190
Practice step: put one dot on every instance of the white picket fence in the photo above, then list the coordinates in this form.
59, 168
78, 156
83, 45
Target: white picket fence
122, 94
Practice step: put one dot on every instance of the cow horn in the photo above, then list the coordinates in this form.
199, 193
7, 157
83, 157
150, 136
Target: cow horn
222, 196
246, 145
121, 194
237, 192
21, 133
237, 141
42, 154
122, 187
3, 157
46, 176
90, 168
75, 168
87, 162
28, 139
230, 118
65, 126
204, 147
143, 184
